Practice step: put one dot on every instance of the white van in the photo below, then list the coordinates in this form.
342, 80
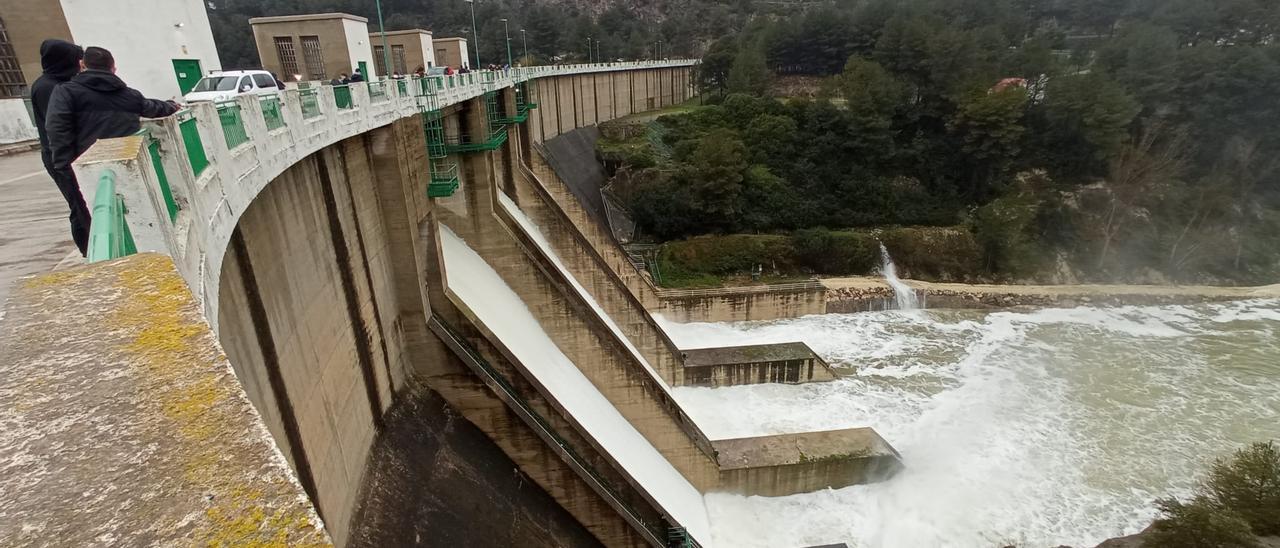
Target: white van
226, 85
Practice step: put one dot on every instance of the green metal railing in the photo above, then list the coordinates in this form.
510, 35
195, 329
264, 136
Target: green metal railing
191, 141
444, 176
153, 148
271, 112
378, 91
232, 124
342, 96
109, 236
403, 87
310, 103
465, 143
444, 181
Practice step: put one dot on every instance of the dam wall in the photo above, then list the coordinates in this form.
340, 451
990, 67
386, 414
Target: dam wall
348, 253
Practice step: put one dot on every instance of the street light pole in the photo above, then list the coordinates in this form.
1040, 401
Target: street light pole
524, 37
506, 31
588, 50
474, 33
386, 50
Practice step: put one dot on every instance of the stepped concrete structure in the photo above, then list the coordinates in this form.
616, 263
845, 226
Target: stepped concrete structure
412, 324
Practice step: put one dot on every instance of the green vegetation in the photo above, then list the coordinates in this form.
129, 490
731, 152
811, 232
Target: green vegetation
1114, 141
939, 253
1238, 501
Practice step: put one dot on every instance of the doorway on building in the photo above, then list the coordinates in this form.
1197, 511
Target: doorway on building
364, 70
188, 73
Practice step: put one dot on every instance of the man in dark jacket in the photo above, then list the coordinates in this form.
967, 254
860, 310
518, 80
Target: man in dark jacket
94, 105
60, 61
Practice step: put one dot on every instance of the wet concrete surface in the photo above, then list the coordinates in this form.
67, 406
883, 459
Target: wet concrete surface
34, 232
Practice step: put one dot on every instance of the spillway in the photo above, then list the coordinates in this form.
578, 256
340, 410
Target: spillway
1056, 426
501, 310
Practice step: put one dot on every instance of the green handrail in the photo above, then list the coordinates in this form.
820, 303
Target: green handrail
342, 96
109, 236
232, 124
271, 113
310, 103
192, 142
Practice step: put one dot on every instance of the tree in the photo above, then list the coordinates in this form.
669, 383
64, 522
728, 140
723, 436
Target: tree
713, 72
989, 129
1154, 157
714, 175
749, 74
1084, 120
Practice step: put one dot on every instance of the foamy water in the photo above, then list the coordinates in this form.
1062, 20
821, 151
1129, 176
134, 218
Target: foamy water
1040, 428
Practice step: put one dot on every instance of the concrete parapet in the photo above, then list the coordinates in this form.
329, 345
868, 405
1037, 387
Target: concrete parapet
124, 424
791, 363
786, 464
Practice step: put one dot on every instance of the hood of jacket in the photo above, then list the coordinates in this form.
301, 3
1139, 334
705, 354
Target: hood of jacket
99, 80
60, 58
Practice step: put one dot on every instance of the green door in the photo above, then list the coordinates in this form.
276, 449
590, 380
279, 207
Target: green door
188, 73
364, 70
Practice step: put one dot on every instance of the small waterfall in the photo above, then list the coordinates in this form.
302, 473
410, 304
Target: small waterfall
905, 296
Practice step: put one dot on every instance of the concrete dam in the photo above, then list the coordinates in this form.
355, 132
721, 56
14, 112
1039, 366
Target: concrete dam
384, 314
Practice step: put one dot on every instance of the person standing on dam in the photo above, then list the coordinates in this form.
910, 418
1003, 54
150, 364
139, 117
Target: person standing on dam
60, 61
94, 104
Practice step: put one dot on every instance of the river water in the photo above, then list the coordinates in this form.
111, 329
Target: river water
1039, 428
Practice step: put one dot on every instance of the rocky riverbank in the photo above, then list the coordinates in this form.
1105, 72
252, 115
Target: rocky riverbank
864, 294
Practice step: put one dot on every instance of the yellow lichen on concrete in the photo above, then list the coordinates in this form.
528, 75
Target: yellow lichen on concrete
195, 392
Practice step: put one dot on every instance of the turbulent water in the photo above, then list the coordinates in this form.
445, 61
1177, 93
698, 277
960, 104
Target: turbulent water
1038, 428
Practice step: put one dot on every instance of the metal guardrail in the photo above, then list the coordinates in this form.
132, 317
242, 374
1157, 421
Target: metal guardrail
109, 236
310, 102
342, 96
191, 141
232, 124
271, 112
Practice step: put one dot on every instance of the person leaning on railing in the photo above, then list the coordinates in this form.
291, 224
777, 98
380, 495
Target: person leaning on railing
95, 104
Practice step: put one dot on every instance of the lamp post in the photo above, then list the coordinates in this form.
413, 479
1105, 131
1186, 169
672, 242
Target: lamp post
525, 38
506, 31
588, 50
474, 34
599, 56
386, 50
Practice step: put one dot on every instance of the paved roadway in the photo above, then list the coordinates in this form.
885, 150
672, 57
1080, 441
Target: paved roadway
34, 233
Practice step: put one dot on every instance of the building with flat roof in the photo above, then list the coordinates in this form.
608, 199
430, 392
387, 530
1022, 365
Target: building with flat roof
162, 50
410, 49
451, 52
316, 46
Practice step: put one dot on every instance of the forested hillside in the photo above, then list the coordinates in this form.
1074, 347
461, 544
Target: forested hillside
1098, 140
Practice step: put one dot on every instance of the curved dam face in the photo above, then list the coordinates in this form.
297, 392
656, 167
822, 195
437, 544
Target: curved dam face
444, 345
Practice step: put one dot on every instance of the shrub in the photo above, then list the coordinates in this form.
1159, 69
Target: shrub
1198, 524
1249, 485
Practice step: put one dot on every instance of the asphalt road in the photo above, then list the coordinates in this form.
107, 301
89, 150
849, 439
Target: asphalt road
34, 232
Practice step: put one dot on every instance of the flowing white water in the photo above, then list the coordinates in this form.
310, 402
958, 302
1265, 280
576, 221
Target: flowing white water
500, 309
903, 293
1039, 428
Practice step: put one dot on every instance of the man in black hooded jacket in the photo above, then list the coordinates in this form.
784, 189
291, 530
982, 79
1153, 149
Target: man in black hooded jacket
95, 104
61, 61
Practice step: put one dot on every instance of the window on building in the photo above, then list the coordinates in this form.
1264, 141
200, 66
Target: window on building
313, 57
397, 59
288, 57
441, 57
379, 60
12, 83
